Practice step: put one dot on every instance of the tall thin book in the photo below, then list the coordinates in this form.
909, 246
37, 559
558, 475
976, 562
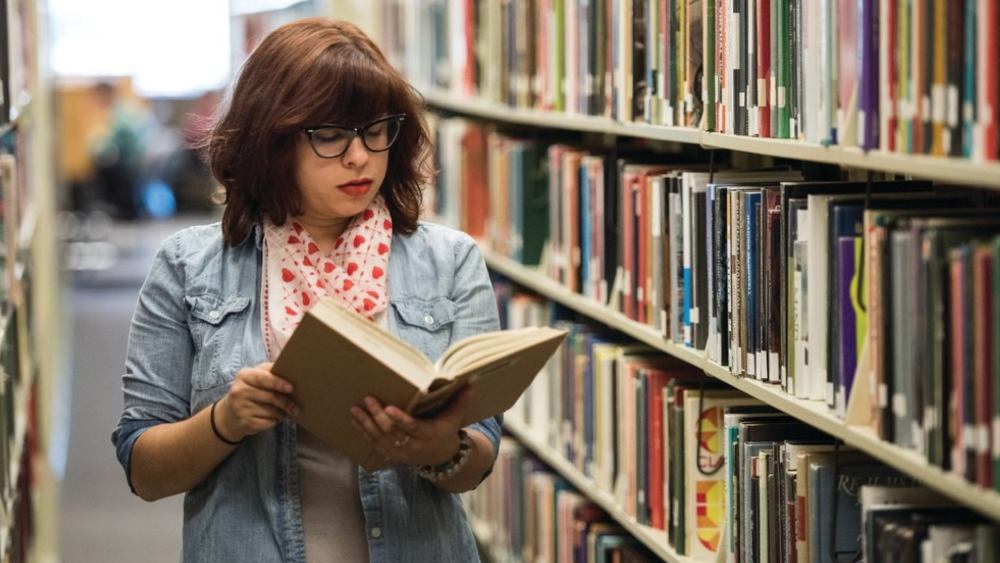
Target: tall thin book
335, 358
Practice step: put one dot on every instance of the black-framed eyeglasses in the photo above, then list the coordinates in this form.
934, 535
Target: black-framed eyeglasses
331, 141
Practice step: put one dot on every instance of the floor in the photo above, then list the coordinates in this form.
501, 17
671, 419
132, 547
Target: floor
100, 520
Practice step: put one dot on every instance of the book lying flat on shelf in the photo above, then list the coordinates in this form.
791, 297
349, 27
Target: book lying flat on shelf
335, 358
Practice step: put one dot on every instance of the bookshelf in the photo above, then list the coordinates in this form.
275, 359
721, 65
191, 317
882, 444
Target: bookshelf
479, 61
956, 170
31, 348
814, 413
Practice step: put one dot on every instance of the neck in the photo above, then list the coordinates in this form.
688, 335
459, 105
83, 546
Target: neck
324, 232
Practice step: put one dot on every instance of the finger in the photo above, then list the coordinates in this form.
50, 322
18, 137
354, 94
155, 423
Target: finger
366, 424
455, 409
384, 422
403, 421
264, 379
281, 401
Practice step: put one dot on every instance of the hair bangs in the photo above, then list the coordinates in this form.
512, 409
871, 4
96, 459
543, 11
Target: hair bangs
358, 91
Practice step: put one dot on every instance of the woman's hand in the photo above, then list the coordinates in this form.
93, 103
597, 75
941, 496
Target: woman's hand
257, 401
402, 438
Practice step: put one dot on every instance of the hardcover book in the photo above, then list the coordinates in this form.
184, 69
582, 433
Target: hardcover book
500, 365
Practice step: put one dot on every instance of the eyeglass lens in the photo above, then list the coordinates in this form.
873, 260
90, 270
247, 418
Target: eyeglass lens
377, 136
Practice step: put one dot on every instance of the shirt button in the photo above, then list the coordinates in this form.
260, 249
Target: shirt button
376, 532
214, 315
428, 320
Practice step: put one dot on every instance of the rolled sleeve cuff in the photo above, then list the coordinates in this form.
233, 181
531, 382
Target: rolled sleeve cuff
124, 439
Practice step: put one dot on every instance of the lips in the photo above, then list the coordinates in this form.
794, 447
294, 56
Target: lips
357, 187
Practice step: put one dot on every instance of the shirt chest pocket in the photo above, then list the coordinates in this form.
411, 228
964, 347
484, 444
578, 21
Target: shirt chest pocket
426, 324
218, 327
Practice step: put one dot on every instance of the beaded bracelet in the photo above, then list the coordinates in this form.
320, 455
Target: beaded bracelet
211, 416
453, 465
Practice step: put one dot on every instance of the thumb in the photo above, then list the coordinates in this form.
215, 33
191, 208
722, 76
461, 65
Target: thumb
458, 405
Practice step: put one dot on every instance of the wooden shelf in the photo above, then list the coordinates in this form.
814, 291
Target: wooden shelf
942, 169
652, 538
556, 120
814, 413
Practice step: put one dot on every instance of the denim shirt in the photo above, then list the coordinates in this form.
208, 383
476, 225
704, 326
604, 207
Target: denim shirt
197, 323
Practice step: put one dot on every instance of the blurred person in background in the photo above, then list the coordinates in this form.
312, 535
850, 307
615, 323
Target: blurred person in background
119, 151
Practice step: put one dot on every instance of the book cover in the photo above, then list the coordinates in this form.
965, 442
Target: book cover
846, 339
995, 368
704, 457
500, 365
982, 326
840, 484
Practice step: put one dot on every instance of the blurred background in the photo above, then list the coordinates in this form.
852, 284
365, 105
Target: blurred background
130, 84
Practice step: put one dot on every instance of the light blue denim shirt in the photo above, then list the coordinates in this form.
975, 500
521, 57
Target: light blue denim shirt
197, 323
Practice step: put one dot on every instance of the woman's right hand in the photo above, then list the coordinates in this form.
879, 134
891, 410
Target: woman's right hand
257, 401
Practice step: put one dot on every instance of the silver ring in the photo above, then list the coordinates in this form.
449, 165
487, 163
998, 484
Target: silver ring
402, 442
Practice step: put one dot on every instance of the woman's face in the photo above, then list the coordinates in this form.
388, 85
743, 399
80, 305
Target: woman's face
336, 189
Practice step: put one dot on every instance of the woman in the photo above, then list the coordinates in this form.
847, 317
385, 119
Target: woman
319, 152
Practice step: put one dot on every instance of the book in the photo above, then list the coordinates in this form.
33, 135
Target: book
499, 364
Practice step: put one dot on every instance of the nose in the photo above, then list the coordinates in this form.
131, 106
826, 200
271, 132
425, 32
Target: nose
357, 153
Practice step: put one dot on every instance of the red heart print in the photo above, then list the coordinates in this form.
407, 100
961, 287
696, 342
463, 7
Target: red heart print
387, 224
313, 249
305, 299
297, 227
382, 248
358, 241
307, 261
293, 240
372, 293
377, 272
339, 242
351, 268
348, 284
287, 275
369, 304
291, 312
368, 214
328, 267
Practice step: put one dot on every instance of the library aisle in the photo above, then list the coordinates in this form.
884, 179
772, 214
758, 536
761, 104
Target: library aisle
100, 520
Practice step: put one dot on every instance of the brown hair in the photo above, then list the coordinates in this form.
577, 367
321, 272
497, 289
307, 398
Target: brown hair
310, 72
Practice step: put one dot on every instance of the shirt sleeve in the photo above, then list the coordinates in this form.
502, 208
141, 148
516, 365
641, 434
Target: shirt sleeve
157, 380
472, 292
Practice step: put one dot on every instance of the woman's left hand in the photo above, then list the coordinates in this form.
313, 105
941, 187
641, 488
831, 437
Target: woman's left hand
402, 438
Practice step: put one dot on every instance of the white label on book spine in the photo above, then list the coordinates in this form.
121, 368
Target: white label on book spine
918, 437
695, 313
953, 105
984, 439
996, 437
781, 97
899, 405
883, 395
938, 101
774, 373
930, 418
762, 92
969, 437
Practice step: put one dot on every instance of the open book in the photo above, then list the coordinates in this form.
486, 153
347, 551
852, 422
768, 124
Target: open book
336, 357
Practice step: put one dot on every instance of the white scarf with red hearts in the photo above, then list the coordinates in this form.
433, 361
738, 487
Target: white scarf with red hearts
297, 273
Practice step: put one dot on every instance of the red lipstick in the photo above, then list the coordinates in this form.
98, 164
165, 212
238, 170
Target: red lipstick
357, 187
